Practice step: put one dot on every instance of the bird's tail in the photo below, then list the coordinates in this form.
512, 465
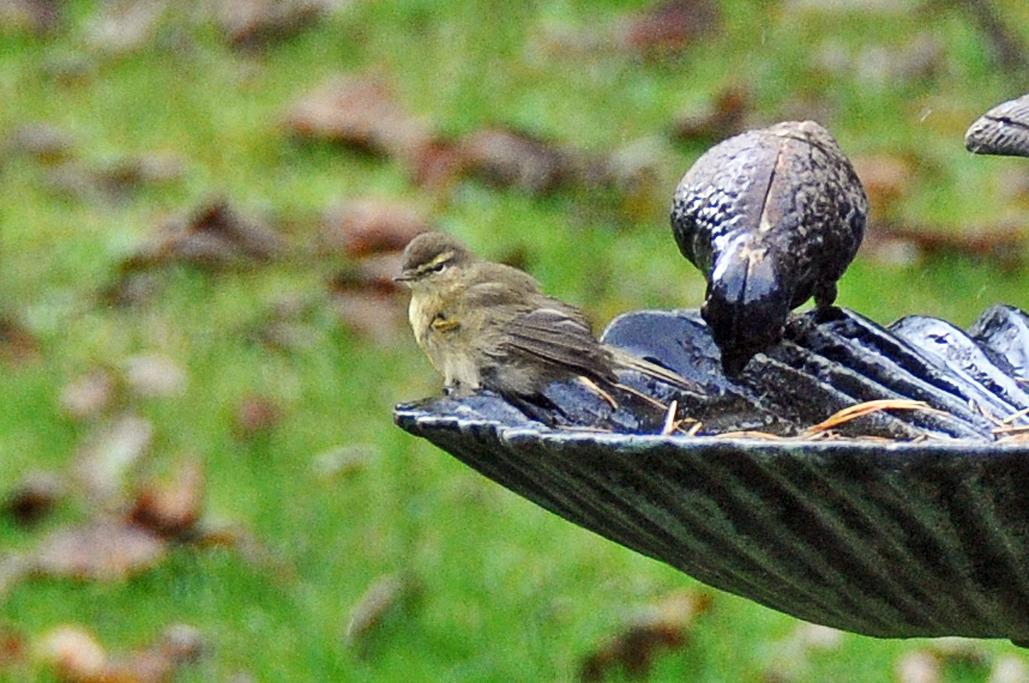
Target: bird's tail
626, 361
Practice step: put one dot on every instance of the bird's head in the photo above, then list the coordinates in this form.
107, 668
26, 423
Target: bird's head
432, 258
748, 300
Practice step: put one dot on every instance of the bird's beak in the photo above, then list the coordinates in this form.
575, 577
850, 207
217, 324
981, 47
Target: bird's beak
405, 277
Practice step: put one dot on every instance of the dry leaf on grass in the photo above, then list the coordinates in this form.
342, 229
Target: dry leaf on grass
34, 497
154, 375
666, 625
44, 142
255, 23
89, 395
918, 666
386, 594
72, 652
99, 550
256, 415
670, 26
1003, 245
179, 644
102, 463
792, 655
173, 508
359, 111
1009, 669
18, 346
241, 540
509, 158
927, 664
112, 181
887, 179
75, 656
41, 17
365, 298
718, 119
130, 289
214, 236
12, 649
343, 461
371, 315
287, 325
435, 164
124, 26
371, 226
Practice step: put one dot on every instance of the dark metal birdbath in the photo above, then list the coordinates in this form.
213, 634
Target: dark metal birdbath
897, 524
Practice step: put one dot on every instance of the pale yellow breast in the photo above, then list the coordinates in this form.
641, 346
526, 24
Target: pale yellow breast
445, 350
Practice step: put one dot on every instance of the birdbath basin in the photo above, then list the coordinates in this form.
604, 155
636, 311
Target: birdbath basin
899, 524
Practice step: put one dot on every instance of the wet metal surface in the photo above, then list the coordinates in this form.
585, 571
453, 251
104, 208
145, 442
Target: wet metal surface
926, 534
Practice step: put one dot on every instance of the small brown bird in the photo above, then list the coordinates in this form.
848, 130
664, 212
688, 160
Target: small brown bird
487, 325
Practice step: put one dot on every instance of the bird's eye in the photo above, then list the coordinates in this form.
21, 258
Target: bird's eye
439, 267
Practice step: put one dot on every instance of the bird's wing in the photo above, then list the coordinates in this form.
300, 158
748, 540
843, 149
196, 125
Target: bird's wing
557, 335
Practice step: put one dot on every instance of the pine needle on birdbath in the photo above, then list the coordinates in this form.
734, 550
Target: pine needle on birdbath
851, 413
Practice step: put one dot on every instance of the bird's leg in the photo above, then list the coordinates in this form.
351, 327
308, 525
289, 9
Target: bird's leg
825, 294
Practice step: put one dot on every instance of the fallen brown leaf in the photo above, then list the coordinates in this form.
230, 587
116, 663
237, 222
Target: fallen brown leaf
101, 464
342, 461
124, 26
1009, 669
372, 315
511, 158
41, 17
44, 142
670, 26
1003, 245
154, 375
214, 236
918, 666
179, 644
90, 395
664, 626
435, 164
99, 550
76, 656
793, 654
881, 66
287, 325
18, 346
173, 508
255, 23
243, 541
386, 594
256, 415
73, 652
927, 664
12, 649
633, 174
887, 179
130, 289
718, 119
370, 274
113, 180
359, 111
34, 497
365, 299
369, 226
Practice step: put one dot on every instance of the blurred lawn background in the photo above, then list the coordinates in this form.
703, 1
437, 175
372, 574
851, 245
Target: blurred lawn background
505, 591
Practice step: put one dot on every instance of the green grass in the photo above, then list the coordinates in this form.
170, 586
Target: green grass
507, 591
